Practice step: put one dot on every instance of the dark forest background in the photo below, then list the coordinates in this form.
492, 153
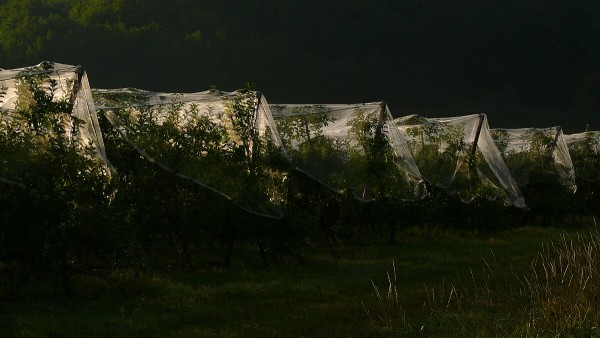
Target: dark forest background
526, 63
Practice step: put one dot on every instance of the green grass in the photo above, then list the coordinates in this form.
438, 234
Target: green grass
317, 299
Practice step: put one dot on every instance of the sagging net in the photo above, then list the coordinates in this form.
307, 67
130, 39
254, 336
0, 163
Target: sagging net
349, 148
537, 156
226, 142
458, 154
47, 110
584, 149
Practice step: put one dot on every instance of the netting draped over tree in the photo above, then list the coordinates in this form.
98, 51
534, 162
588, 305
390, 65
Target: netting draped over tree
27, 99
226, 142
52, 157
458, 154
584, 149
349, 147
537, 155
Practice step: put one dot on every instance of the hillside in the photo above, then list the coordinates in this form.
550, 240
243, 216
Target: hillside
525, 63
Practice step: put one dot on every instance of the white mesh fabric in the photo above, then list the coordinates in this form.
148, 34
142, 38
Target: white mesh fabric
458, 155
65, 83
198, 137
539, 154
592, 138
85, 110
402, 154
267, 126
64, 74
496, 163
336, 145
584, 149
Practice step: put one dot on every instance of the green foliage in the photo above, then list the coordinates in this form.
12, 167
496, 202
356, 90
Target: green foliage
301, 131
223, 146
184, 168
448, 159
303, 124
585, 155
538, 156
536, 167
501, 140
251, 142
151, 203
264, 166
360, 162
438, 149
373, 159
86, 13
55, 212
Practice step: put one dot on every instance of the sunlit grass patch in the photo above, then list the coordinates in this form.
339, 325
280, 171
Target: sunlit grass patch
556, 294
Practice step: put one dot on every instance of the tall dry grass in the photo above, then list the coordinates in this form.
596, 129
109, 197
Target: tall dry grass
563, 287
558, 295
387, 313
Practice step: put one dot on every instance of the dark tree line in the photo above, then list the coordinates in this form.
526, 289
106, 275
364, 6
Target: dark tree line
525, 63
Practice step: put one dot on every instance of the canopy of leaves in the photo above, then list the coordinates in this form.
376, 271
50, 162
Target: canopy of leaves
54, 208
214, 139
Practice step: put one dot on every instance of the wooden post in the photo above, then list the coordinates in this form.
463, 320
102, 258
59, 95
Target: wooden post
307, 130
258, 99
381, 117
76, 85
256, 108
558, 130
255, 124
474, 148
378, 131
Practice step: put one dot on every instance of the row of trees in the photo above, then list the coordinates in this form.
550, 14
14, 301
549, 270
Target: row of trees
347, 149
62, 206
219, 141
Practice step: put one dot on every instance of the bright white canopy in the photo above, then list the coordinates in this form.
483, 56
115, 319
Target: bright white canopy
333, 144
458, 154
224, 141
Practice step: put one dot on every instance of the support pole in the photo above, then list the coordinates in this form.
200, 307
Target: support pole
474, 148
381, 117
378, 133
256, 108
258, 99
307, 130
558, 131
255, 132
76, 85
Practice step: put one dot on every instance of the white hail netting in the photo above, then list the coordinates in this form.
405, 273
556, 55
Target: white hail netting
219, 140
458, 154
349, 148
584, 149
537, 155
61, 82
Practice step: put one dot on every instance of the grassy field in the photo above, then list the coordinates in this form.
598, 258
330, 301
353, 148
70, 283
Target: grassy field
442, 284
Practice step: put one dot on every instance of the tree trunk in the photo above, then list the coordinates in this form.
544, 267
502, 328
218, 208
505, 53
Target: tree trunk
66, 279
